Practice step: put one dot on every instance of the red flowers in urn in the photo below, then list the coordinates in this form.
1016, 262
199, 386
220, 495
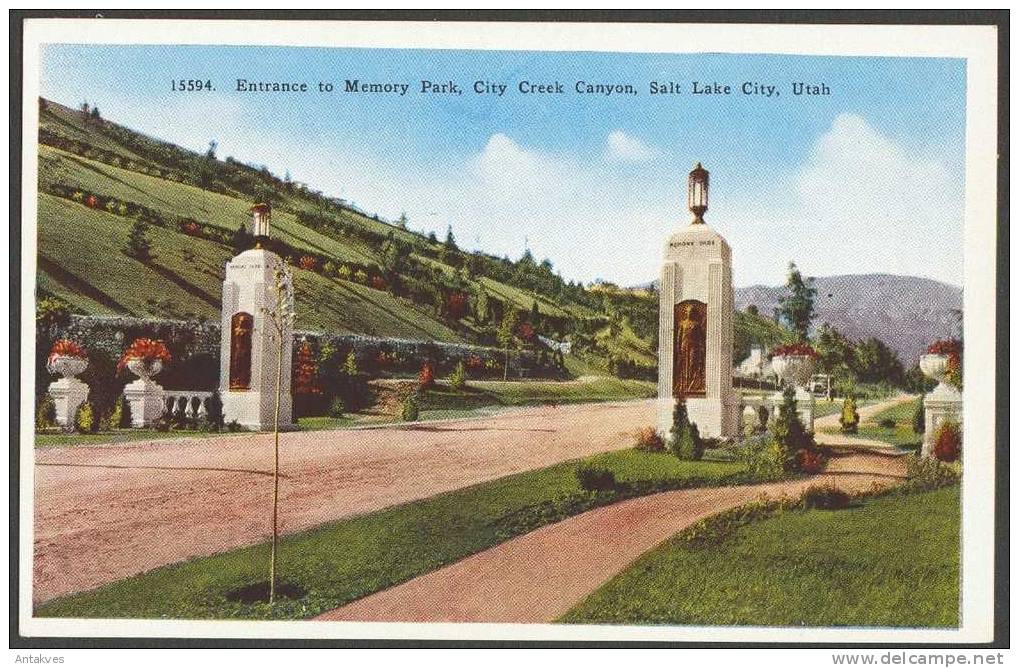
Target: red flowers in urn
952, 349
66, 348
146, 356
794, 350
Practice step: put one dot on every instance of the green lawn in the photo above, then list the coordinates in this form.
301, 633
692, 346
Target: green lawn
902, 435
889, 561
345, 560
59, 439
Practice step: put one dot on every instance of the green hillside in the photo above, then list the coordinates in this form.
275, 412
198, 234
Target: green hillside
353, 272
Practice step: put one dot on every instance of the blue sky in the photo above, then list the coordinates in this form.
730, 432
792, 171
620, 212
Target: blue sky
868, 179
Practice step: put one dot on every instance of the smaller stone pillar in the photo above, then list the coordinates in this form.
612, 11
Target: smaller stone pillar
145, 395
944, 402
68, 392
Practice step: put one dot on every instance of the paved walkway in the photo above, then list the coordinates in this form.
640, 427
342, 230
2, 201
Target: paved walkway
537, 577
105, 512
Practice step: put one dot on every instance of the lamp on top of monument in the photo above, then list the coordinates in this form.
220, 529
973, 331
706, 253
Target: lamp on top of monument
262, 214
697, 193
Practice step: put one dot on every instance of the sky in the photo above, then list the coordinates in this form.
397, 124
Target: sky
867, 179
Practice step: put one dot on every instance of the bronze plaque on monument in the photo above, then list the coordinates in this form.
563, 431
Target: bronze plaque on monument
241, 326
690, 329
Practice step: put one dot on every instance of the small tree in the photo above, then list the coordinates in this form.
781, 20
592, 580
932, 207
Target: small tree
919, 418
458, 379
788, 431
410, 410
138, 244
797, 306
46, 411
350, 365
280, 316
684, 437
849, 418
507, 336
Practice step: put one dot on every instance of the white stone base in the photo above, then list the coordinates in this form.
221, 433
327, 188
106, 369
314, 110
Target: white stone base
145, 396
805, 406
944, 403
714, 418
68, 394
255, 411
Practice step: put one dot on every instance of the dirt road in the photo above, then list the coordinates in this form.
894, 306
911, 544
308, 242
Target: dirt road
537, 577
107, 512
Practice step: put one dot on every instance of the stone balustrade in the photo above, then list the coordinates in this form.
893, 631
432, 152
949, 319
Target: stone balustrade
194, 402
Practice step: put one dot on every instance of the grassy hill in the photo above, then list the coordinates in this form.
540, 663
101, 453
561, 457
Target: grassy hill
353, 272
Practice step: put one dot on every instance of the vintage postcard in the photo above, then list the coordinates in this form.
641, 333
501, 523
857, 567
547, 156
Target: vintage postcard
508, 331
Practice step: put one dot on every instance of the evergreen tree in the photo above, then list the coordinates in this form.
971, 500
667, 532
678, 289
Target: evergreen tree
849, 418
214, 412
402, 221
241, 240
684, 438
350, 365
797, 306
450, 242
138, 244
788, 431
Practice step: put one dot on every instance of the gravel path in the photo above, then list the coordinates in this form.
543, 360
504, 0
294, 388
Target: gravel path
103, 513
537, 577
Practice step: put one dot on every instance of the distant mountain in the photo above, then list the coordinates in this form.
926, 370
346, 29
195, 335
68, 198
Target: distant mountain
906, 312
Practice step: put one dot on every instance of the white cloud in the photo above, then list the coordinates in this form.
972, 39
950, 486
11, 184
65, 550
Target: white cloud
861, 202
626, 148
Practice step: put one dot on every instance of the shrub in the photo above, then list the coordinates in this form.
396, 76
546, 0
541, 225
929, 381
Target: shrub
928, 473
648, 440
45, 413
426, 378
337, 408
809, 461
179, 415
350, 364
886, 423
138, 244
825, 497
685, 440
85, 420
789, 432
948, 442
214, 412
919, 418
764, 457
120, 416
234, 426
595, 478
163, 423
410, 409
850, 418
458, 379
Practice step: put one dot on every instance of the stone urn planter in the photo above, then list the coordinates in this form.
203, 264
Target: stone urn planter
66, 366
145, 369
935, 367
67, 361
793, 369
794, 366
145, 358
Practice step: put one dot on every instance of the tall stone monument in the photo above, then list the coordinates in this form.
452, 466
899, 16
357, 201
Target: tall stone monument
695, 323
249, 348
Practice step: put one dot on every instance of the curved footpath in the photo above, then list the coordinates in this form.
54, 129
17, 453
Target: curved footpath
538, 577
106, 512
